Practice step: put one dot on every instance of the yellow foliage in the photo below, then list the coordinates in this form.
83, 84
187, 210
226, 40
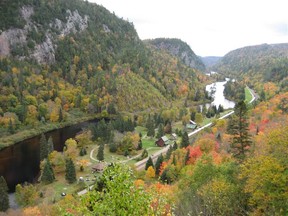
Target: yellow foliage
139, 183
54, 115
150, 173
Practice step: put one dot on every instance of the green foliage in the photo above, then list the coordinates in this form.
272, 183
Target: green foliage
47, 176
149, 163
213, 190
239, 129
185, 140
26, 195
158, 164
169, 153
100, 153
160, 131
70, 174
183, 49
102, 131
4, 199
117, 195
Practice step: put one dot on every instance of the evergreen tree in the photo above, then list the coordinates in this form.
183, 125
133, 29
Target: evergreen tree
70, 175
174, 159
158, 163
160, 132
100, 154
168, 153
112, 147
43, 147
50, 145
175, 146
11, 127
149, 163
150, 127
241, 140
140, 145
4, 199
187, 156
61, 117
47, 174
185, 140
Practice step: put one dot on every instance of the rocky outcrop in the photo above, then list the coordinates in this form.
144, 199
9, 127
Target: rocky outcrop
75, 23
179, 49
15, 37
44, 52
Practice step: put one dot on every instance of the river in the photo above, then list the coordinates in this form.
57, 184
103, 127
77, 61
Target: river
217, 91
20, 162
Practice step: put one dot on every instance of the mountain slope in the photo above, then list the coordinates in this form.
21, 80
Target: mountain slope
179, 49
210, 61
268, 62
60, 56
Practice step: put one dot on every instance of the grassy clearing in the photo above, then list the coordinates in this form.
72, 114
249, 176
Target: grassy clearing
248, 95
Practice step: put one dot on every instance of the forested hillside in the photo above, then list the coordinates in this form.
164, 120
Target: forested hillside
179, 49
266, 63
59, 58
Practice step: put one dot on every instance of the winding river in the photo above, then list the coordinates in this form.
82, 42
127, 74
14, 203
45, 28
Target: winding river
20, 162
217, 91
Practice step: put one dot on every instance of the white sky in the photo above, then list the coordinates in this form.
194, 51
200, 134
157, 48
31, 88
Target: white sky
210, 27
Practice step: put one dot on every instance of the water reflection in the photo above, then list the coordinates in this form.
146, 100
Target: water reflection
217, 91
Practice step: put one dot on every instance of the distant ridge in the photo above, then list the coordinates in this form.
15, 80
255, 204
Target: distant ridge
180, 49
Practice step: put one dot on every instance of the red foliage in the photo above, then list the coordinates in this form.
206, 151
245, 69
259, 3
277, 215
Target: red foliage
195, 153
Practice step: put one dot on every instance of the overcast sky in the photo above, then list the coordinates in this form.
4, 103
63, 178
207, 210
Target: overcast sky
210, 27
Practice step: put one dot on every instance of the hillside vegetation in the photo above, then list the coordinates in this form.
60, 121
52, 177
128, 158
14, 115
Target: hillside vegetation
261, 63
179, 49
58, 56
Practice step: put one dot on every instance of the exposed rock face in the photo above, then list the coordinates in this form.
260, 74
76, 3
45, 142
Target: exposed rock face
181, 50
43, 53
11, 37
75, 22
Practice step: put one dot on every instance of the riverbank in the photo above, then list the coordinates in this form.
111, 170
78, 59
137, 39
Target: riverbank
43, 128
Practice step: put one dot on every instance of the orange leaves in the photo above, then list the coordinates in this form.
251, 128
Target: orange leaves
183, 89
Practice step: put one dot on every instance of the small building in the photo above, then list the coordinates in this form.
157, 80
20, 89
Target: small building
98, 167
174, 136
191, 125
163, 141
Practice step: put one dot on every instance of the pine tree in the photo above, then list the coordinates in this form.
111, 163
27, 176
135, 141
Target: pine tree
43, 147
175, 146
150, 127
158, 163
4, 199
11, 127
168, 153
50, 145
100, 154
70, 175
149, 163
60, 115
174, 161
187, 156
140, 145
47, 174
160, 132
185, 140
241, 140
